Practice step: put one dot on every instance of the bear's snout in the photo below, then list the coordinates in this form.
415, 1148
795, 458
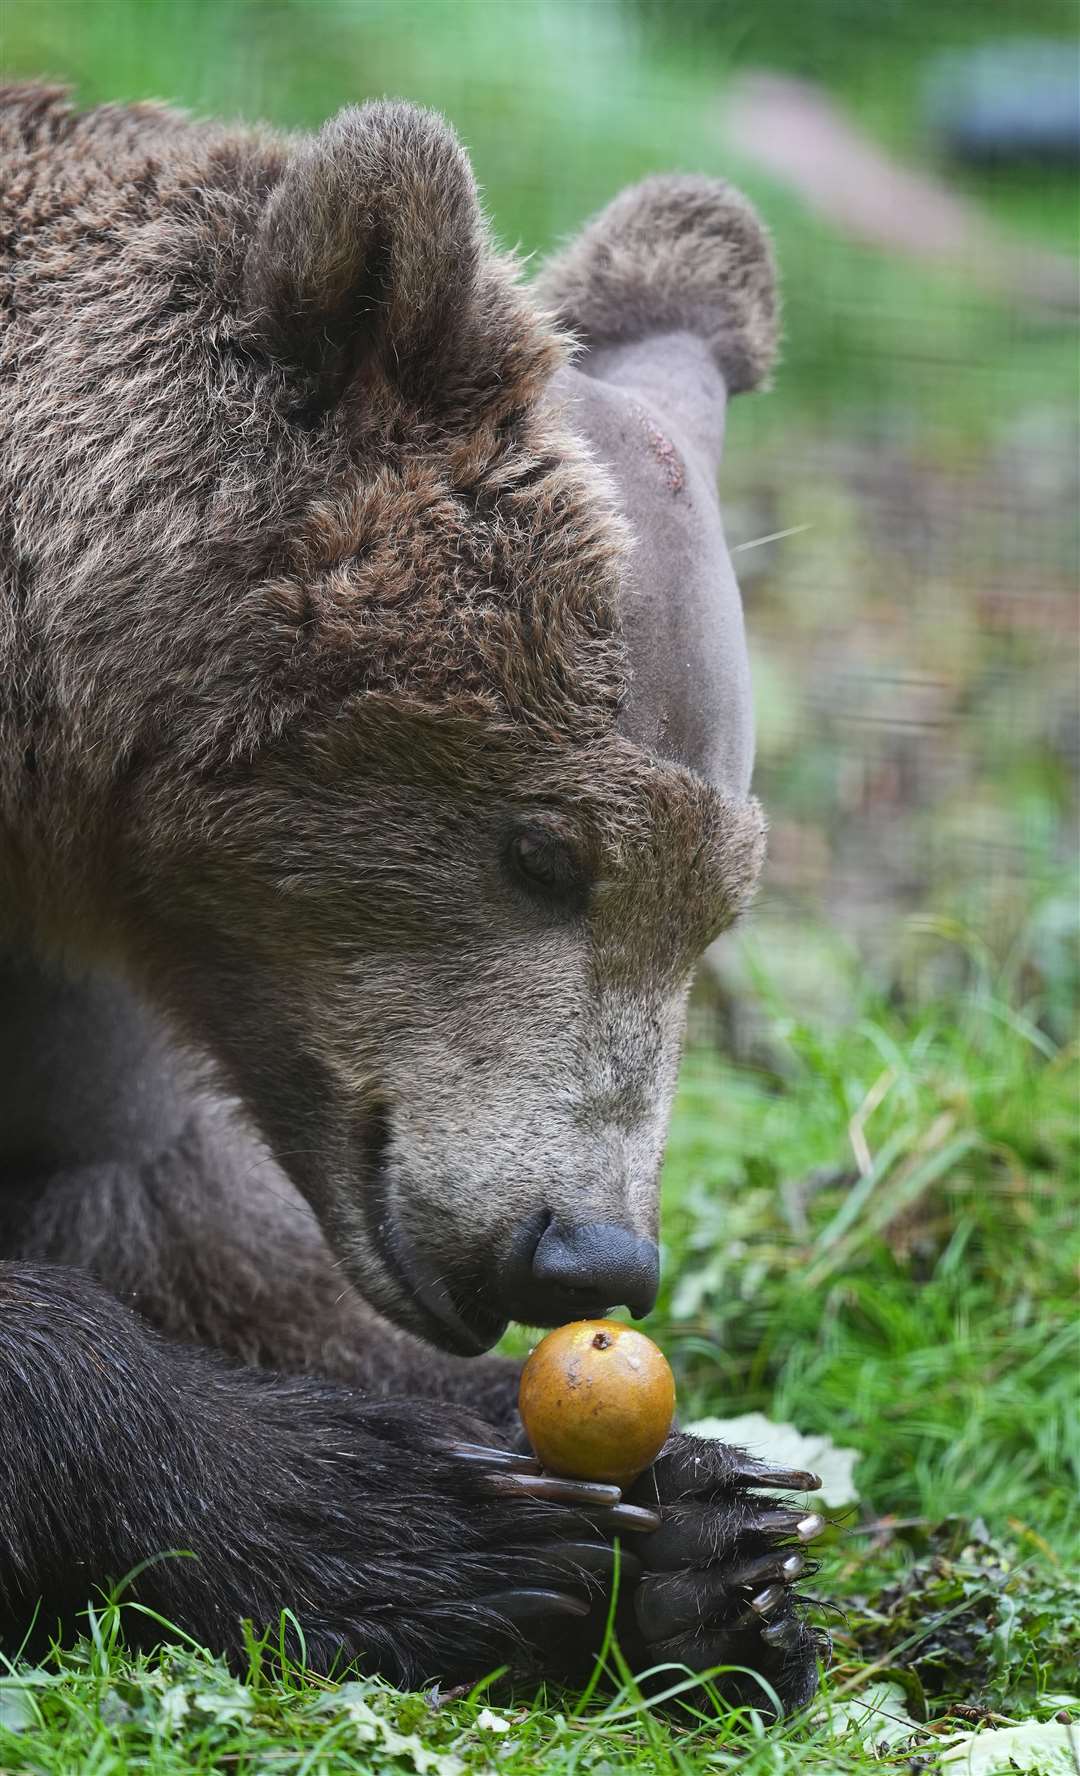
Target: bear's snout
564, 1270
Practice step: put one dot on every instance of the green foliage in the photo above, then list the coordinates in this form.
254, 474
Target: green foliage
970, 1620
882, 1233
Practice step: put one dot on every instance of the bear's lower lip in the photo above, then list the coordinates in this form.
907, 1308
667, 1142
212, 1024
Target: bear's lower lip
429, 1292
414, 1274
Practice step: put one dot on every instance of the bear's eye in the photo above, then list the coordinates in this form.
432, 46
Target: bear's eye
546, 863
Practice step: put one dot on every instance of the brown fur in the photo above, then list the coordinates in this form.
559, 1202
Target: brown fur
191, 570
310, 592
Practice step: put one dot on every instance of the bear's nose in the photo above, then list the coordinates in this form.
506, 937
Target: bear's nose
576, 1269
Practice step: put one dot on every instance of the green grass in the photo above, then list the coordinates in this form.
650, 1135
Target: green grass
873, 1235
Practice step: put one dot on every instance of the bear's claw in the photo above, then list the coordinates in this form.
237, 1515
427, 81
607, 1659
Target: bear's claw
758, 1473
633, 1517
775, 1565
549, 1486
480, 1455
530, 1603
788, 1632
598, 1560
767, 1602
508, 1474
805, 1525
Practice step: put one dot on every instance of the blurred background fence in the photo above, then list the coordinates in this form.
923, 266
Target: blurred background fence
914, 617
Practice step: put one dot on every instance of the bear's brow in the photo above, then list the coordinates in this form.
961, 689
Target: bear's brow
701, 860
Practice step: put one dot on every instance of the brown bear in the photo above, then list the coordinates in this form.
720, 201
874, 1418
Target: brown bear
375, 751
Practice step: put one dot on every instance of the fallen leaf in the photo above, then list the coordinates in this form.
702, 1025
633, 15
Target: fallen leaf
18, 1712
877, 1717
1045, 1748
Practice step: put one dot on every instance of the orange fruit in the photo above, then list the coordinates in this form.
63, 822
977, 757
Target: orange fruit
597, 1400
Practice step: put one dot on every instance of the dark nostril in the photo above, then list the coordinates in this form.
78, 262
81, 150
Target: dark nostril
610, 1264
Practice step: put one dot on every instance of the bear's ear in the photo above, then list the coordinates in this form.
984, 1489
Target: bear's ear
679, 253
369, 244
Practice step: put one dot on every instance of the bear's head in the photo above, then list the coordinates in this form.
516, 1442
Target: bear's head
425, 845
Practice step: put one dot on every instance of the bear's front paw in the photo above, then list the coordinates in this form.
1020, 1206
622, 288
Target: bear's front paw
718, 1578
563, 1547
